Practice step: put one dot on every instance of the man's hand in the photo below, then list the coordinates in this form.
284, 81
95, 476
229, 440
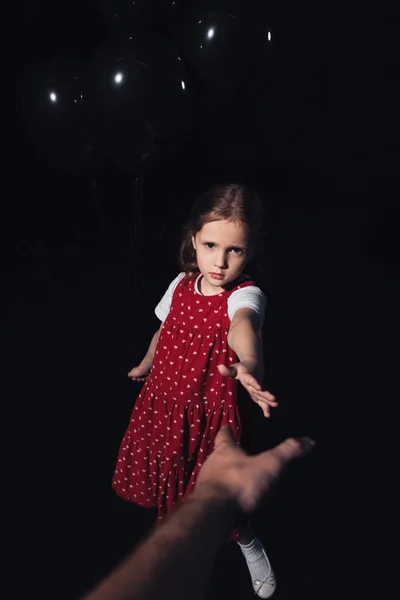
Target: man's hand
240, 371
246, 480
194, 533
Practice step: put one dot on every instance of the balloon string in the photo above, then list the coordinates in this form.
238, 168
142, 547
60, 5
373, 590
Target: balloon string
134, 229
94, 187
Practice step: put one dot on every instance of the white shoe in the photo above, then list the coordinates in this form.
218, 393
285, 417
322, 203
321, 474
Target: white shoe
265, 588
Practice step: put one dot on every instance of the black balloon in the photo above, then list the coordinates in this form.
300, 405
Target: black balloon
52, 104
138, 13
220, 39
139, 100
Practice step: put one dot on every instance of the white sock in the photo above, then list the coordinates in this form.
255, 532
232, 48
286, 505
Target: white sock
257, 562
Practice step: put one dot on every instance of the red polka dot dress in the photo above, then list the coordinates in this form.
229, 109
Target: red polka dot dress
182, 405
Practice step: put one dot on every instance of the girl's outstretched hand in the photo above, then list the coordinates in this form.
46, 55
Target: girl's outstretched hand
263, 398
138, 373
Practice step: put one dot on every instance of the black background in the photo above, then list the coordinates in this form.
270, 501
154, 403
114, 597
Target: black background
318, 137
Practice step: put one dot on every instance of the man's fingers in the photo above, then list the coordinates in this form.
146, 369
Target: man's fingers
290, 450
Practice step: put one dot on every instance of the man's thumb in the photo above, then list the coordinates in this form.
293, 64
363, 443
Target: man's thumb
224, 436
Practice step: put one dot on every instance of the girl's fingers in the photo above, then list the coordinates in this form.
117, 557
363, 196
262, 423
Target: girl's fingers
272, 402
264, 408
267, 397
259, 398
263, 395
269, 403
252, 381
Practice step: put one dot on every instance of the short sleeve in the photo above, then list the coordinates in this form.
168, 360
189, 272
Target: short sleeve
248, 297
163, 307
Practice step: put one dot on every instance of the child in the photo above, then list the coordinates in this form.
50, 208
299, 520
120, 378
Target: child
210, 338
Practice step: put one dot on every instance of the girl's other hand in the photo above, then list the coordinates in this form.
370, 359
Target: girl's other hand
139, 373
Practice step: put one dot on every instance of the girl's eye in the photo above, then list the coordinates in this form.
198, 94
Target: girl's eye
211, 245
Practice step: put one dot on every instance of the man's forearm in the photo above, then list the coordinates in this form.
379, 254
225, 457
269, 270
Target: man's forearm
179, 555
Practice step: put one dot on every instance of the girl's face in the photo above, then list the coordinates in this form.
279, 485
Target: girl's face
222, 252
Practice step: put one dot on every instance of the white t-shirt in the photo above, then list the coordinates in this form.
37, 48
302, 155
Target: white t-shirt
248, 297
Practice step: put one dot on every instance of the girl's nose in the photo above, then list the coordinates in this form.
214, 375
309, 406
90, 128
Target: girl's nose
221, 262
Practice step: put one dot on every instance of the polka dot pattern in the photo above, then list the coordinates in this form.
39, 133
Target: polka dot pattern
182, 405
